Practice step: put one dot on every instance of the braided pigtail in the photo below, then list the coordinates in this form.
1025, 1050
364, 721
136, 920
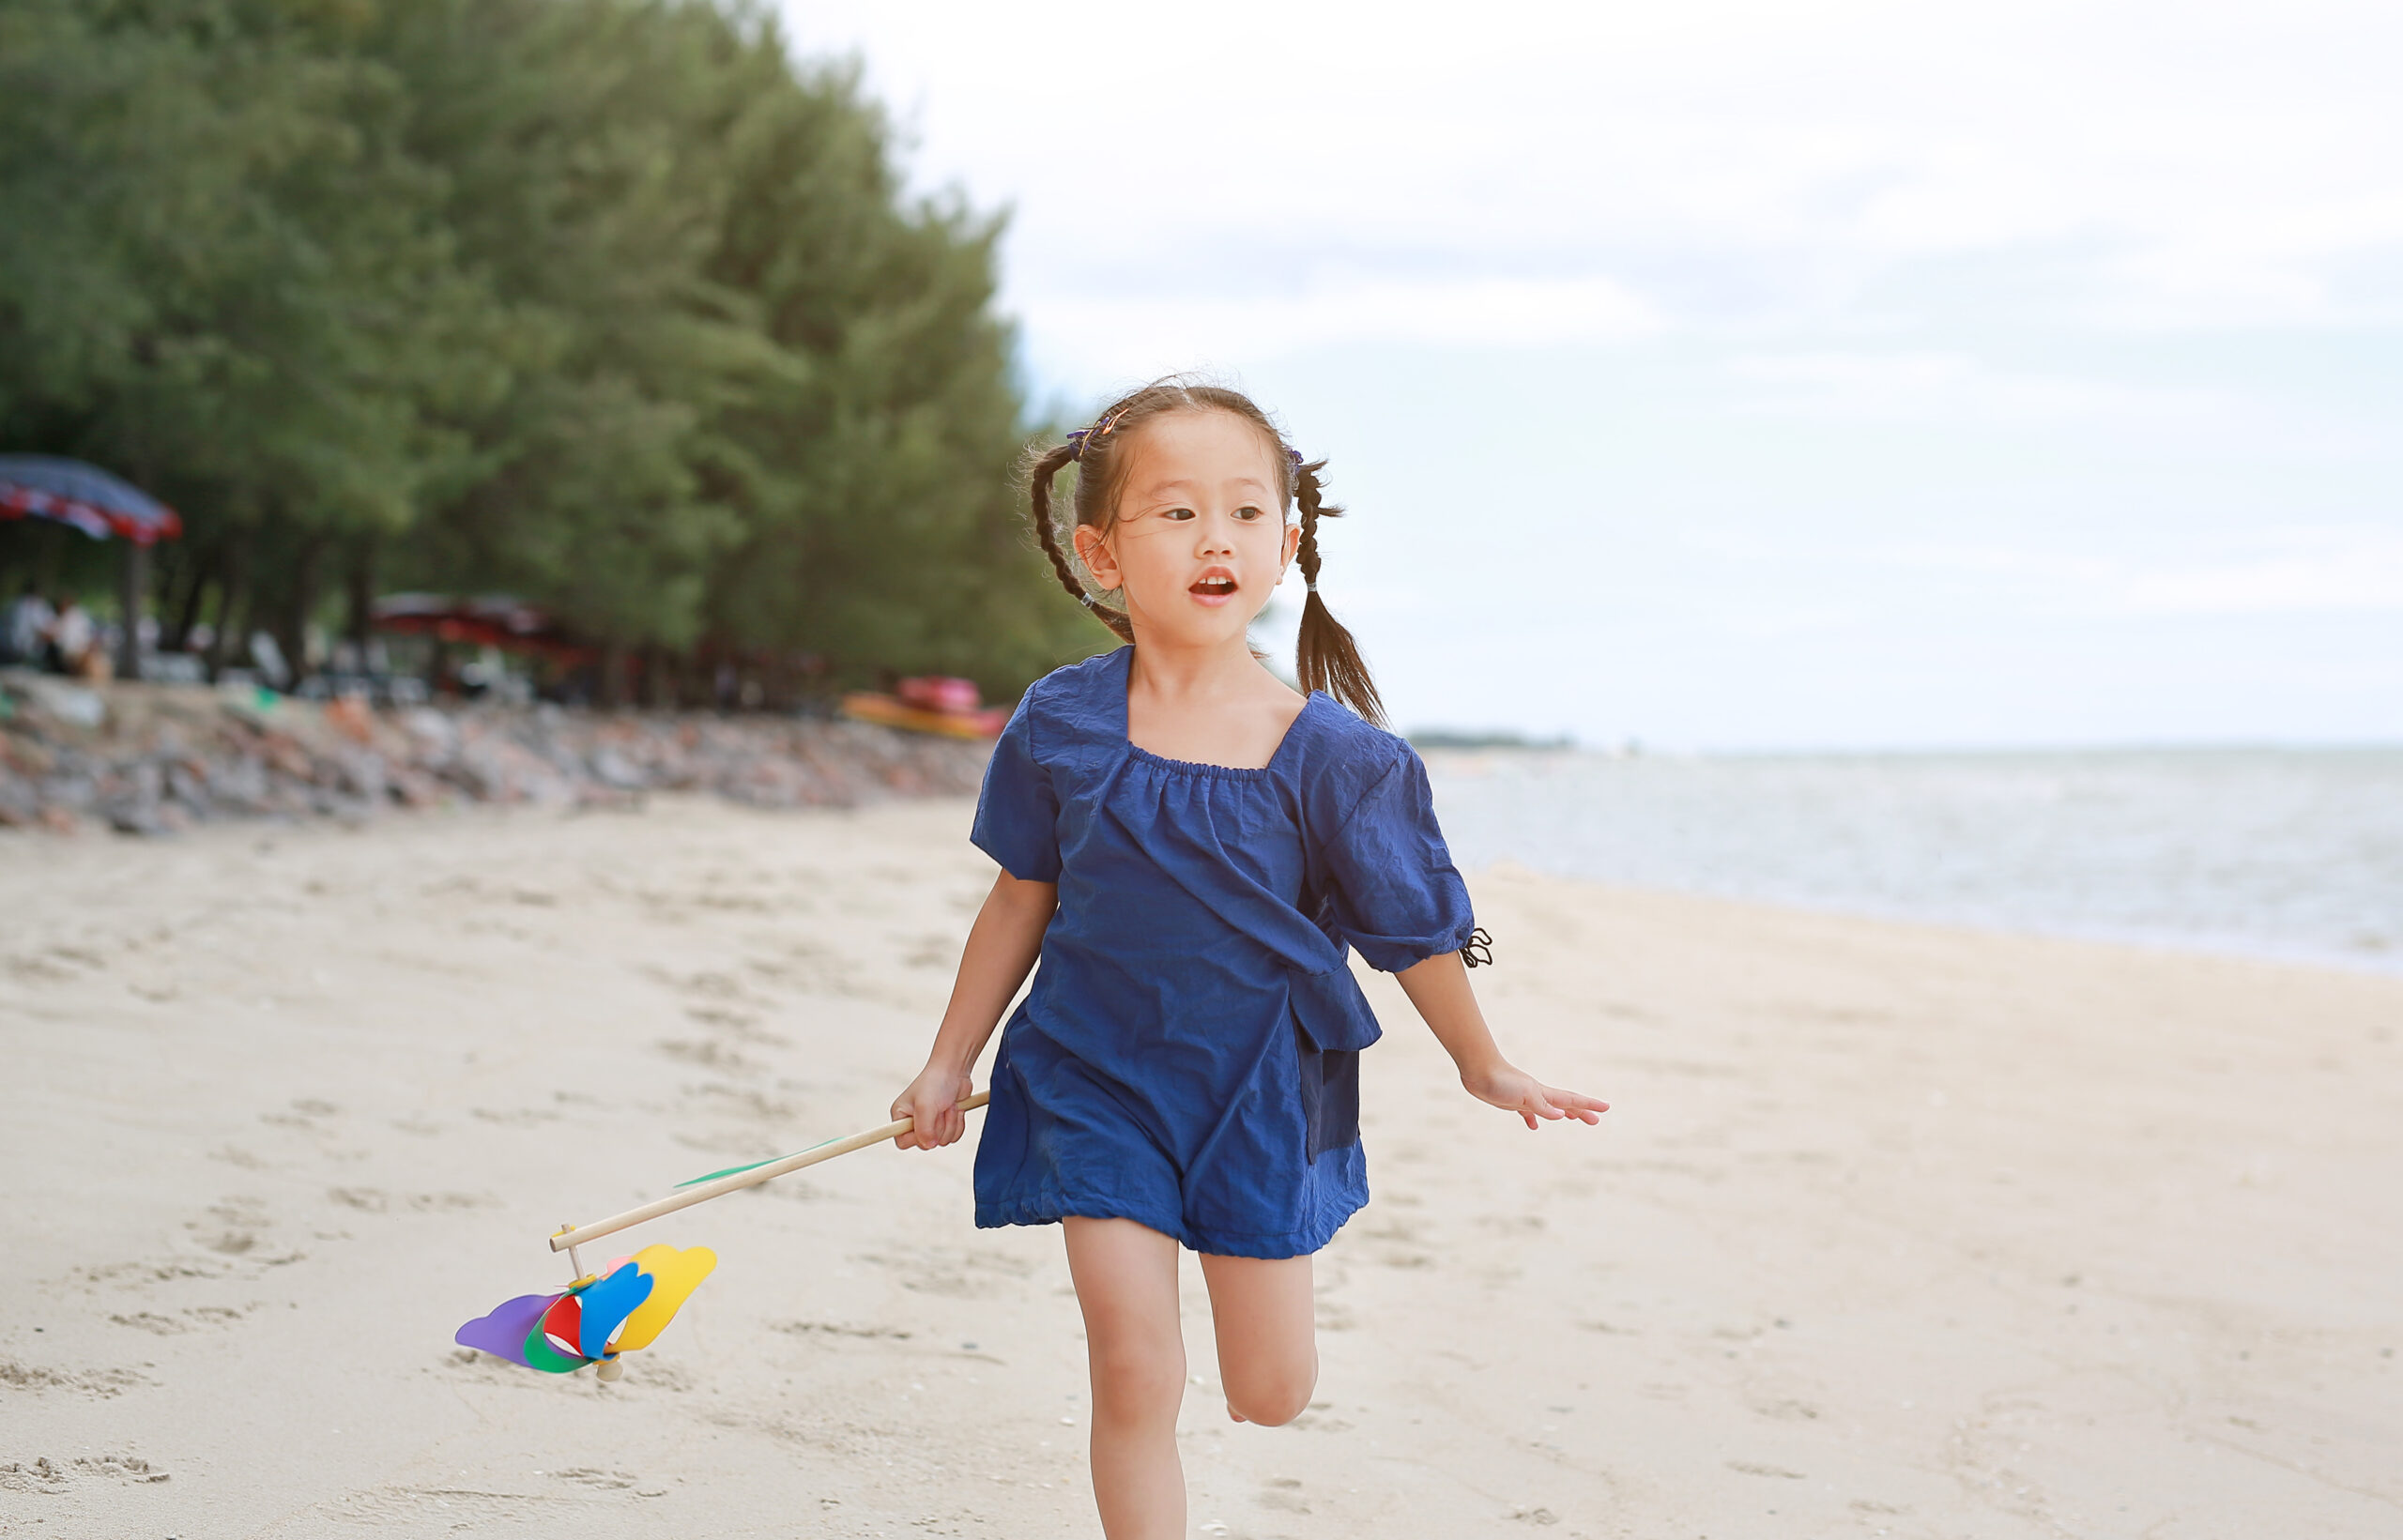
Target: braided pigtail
1324, 655
1038, 481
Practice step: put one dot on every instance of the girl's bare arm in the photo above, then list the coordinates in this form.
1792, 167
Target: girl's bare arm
1439, 987
1003, 945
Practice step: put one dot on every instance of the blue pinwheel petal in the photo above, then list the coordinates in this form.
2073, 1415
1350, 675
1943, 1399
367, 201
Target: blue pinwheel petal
606, 1305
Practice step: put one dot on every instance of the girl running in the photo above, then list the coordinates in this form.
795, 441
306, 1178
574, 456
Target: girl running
1191, 850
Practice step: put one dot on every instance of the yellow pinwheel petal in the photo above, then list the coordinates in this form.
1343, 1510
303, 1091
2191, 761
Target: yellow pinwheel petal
675, 1275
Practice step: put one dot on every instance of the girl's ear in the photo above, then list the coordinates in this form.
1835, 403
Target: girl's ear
1093, 549
1292, 544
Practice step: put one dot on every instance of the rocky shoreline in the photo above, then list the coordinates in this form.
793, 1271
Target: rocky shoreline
151, 759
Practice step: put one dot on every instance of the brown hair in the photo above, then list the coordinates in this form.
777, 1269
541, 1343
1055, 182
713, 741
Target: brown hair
1324, 655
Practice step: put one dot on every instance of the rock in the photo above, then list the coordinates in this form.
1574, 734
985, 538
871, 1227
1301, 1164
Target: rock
361, 772
614, 770
188, 786
412, 788
20, 804
134, 815
58, 699
72, 791
437, 737
239, 782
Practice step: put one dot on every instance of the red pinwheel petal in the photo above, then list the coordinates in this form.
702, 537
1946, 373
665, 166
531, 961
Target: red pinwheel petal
563, 1323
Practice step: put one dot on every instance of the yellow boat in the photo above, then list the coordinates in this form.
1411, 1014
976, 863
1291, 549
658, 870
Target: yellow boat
893, 711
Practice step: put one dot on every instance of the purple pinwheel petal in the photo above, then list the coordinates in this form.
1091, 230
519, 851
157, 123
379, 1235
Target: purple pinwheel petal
502, 1334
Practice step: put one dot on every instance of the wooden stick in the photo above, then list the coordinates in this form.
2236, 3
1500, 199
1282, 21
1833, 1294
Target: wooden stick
576, 1235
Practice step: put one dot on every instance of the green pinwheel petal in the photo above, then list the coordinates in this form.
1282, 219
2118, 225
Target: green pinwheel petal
540, 1355
735, 1170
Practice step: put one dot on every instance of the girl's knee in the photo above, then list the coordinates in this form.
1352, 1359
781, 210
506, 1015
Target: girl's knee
1132, 1377
1273, 1399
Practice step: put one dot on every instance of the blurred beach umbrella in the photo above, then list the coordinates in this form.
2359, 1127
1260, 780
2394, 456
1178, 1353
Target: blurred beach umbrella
86, 497
489, 620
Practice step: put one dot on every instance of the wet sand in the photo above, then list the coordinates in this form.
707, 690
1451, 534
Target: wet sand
1894, 1229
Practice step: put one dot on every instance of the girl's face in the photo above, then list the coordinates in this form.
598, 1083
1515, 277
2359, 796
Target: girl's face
1199, 540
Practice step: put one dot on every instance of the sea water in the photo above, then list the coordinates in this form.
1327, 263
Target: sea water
2291, 853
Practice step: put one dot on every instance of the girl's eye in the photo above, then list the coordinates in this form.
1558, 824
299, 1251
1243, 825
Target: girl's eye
1178, 513
1248, 514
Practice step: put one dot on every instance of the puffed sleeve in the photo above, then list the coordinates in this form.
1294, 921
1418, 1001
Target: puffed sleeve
1393, 892
1017, 813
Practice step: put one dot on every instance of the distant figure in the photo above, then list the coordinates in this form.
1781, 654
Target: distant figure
266, 656
1192, 850
25, 635
73, 638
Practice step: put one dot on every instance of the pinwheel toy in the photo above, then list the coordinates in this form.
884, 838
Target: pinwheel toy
597, 1317
627, 1303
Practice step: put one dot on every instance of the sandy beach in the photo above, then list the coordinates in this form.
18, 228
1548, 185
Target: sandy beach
1894, 1230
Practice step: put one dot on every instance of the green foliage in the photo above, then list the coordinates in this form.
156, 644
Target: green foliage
220, 272
606, 303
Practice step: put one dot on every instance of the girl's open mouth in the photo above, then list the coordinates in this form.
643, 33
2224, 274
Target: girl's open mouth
1216, 586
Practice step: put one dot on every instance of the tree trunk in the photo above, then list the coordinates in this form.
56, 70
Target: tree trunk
292, 630
613, 675
205, 571
659, 677
362, 583
133, 582
233, 600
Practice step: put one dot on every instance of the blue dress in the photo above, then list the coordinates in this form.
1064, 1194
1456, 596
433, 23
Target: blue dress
1187, 1057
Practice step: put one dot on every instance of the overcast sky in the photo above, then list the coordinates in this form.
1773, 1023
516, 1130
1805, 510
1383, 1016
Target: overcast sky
1749, 375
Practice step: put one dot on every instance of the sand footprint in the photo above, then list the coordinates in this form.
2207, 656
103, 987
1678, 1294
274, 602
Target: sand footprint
830, 1328
98, 1384
955, 1274
52, 1477
1284, 1493
585, 1475
304, 1113
199, 1317
709, 1056
236, 1224
375, 1201
516, 1117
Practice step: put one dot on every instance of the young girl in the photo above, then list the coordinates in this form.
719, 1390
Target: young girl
1190, 849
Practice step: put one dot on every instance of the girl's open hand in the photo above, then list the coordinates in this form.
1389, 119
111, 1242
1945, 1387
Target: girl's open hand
1514, 1089
933, 1100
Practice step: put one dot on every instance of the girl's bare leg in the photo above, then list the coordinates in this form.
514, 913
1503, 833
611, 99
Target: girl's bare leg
1268, 1329
1126, 1278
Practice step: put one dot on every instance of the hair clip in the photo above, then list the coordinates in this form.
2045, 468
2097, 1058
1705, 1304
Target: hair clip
1088, 600
1081, 439
1296, 455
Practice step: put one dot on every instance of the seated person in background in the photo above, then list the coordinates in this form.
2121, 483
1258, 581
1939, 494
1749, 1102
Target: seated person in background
74, 640
23, 636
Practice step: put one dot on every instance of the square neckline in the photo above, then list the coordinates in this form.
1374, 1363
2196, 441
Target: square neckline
1246, 772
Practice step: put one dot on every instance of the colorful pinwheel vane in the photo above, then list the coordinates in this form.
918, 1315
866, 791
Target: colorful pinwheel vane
622, 1307
627, 1303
